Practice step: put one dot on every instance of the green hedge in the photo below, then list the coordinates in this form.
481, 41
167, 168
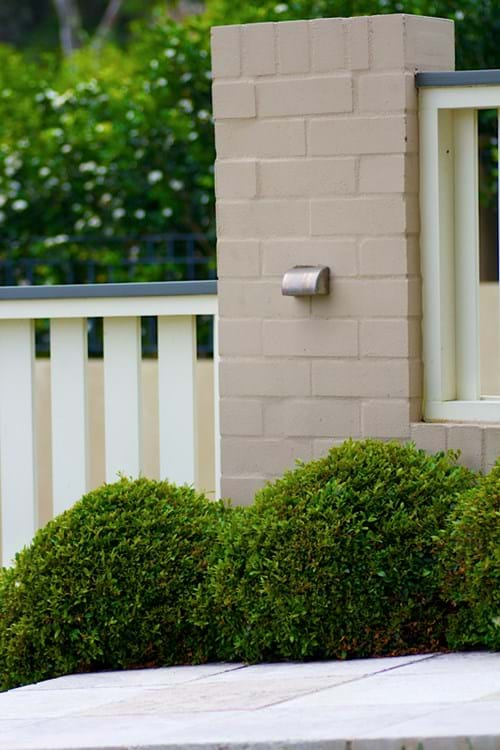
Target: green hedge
338, 558
471, 565
110, 584
376, 549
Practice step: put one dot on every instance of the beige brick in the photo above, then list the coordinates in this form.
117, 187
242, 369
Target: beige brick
240, 338
328, 46
412, 42
226, 51
235, 179
304, 96
258, 49
393, 92
322, 446
265, 378
377, 215
262, 456
338, 254
430, 437
310, 338
430, 43
307, 177
386, 256
389, 338
386, 419
388, 42
246, 299
239, 416
260, 139
313, 417
233, 100
468, 439
362, 135
491, 441
266, 218
238, 258
394, 173
241, 490
380, 298
293, 47
365, 379
358, 43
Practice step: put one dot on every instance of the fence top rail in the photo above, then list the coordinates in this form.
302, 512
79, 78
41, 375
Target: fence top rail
94, 291
458, 78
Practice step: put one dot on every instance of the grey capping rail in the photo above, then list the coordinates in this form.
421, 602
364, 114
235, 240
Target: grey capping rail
458, 78
89, 291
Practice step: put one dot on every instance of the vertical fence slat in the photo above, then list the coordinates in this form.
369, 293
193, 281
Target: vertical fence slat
122, 401
177, 397
17, 436
70, 453
466, 253
217, 436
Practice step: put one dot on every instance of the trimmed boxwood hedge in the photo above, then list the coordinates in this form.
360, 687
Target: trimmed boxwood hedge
376, 549
338, 558
109, 584
470, 565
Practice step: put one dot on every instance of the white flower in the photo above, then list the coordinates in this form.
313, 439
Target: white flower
89, 185
186, 105
154, 64
94, 221
20, 205
203, 115
130, 115
44, 171
118, 213
88, 166
281, 8
52, 182
169, 52
167, 212
101, 170
3, 200
79, 225
204, 199
176, 185
140, 213
186, 77
192, 136
66, 148
155, 176
56, 133
105, 199
139, 153
161, 82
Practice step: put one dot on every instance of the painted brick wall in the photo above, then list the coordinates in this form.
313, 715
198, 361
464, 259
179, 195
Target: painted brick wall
317, 163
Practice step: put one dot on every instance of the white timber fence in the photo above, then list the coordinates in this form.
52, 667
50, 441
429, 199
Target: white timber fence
68, 308
457, 351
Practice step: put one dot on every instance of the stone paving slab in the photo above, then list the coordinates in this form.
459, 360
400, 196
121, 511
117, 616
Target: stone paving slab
426, 702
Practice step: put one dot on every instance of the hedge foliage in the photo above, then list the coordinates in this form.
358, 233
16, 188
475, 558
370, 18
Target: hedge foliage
376, 549
471, 565
338, 558
109, 584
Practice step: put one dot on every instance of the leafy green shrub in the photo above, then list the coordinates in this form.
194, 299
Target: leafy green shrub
109, 584
118, 145
471, 565
337, 558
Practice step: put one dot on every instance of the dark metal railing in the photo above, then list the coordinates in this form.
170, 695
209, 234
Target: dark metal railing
104, 260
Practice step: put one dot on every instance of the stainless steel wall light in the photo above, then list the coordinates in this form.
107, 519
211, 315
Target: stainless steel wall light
305, 281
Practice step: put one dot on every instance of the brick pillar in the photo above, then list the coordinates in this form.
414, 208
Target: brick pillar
317, 163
